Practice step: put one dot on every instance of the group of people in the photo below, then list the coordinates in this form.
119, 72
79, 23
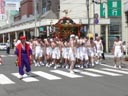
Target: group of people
54, 52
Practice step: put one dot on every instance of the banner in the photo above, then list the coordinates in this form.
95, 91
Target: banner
2, 4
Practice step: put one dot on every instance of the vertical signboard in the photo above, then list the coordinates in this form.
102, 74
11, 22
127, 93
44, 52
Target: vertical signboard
2, 11
114, 8
1, 6
102, 10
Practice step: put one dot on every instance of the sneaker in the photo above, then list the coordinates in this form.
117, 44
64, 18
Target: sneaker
71, 71
115, 66
36, 65
120, 67
67, 67
92, 64
86, 65
21, 77
96, 62
55, 67
78, 66
28, 74
50, 65
47, 65
81, 66
41, 63
34, 61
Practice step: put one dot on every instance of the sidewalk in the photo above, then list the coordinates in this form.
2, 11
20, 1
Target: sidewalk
109, 59
108, 55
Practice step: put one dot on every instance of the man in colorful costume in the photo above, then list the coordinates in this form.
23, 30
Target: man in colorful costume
23, 52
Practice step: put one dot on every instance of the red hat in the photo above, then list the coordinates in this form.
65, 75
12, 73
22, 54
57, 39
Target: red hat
22, 38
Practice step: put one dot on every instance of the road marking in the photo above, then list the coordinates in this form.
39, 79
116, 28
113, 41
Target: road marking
8, 55
88, 73
67, 74
125, 69
25, 77
46, 75
11, 55
5, 80
3, 56
114, 70
103, 72
107, 65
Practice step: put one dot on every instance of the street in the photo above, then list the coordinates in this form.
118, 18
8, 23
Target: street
102, 80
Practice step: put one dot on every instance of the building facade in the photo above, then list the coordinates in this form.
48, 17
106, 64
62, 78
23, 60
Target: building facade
125, 20
96, 17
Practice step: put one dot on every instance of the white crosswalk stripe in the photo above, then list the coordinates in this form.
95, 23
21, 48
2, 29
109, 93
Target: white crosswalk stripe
26, 78
8, 55
46, 75
53, 74
115, 70
103, 72
67, 74
88, 73
5, 80
109, 66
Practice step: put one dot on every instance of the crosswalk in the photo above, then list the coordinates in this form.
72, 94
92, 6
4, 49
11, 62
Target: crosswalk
61, 74
8, 55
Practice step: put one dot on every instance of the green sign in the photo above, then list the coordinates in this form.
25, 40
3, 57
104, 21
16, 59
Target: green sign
41, 29
102, 10
114, 8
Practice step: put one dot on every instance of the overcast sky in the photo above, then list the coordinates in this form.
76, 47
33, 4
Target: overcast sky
13, 0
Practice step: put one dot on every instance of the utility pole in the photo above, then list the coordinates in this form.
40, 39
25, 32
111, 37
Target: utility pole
35, 17
94, 18
87, 4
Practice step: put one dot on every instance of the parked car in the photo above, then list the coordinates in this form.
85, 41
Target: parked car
3, 46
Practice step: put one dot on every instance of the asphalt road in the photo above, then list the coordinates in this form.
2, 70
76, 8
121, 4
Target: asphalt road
102, 80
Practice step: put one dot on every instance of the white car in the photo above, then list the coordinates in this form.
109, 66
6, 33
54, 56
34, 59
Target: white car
3, 46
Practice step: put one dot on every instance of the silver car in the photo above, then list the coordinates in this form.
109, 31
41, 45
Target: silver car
3, 46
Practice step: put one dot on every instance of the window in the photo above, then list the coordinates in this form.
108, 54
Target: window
44, 6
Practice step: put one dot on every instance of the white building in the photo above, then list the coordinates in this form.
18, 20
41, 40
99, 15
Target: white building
77, 10
125, 20
107, 25
11, 7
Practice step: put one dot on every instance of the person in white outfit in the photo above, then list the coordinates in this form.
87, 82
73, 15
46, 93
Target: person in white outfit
55, 54
117, 51
99, 52
38, 52
72, 52
91, 49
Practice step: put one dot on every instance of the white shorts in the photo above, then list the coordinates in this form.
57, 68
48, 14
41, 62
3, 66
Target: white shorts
71, 55
38, 54
48, 50
99, 53
56, 53
118, 53
91, 52
78, 53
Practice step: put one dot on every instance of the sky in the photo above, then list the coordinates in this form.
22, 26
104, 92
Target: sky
12, 0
